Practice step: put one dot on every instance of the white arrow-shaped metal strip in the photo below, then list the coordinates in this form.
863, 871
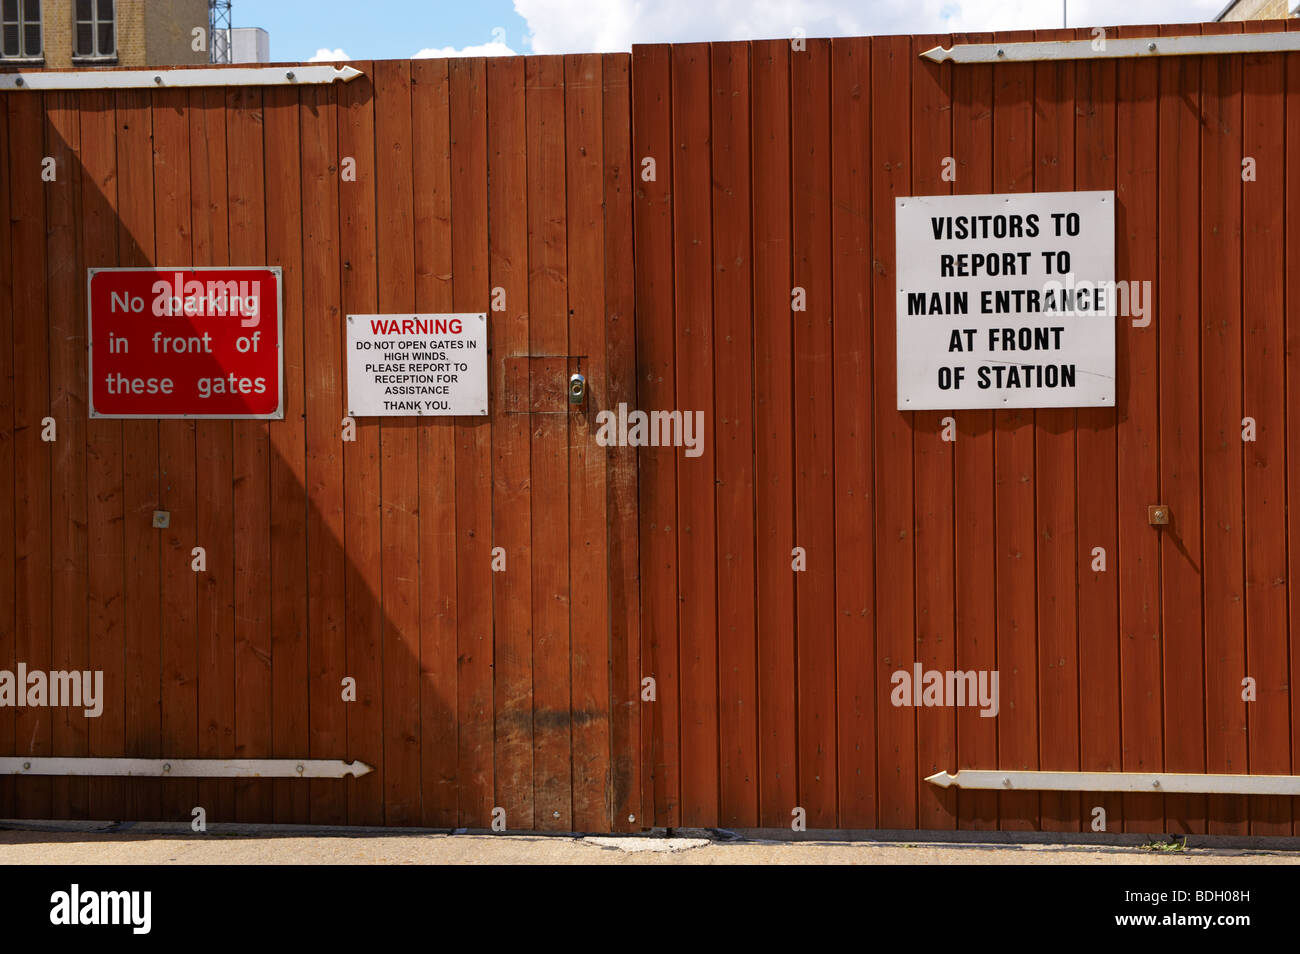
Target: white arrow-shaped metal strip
1118, 47
178, 79
1170, 783
185, 768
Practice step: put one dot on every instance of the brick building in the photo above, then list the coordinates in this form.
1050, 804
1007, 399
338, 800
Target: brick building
64, 34
1255, 10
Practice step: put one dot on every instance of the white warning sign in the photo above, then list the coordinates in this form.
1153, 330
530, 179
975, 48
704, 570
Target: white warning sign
1006, 300
409, 365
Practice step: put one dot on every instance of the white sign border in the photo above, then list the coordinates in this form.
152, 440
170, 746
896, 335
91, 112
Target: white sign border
487, 359
1111, 400
276, 415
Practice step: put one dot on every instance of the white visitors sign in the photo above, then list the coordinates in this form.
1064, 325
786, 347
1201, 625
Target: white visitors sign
408, 365
1006, 300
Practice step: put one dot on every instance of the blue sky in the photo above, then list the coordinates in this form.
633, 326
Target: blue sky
398, 29
378, 29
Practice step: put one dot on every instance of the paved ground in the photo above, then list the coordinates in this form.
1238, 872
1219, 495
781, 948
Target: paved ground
68, 843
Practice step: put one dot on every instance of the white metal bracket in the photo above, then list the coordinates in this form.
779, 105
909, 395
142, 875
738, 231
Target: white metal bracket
1168, 783
1116, 48
176, 79
185, 768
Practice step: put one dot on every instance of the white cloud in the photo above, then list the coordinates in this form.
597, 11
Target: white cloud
494, 48
328, 56
575, 26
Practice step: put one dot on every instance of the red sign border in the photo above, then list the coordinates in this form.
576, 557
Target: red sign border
276, 415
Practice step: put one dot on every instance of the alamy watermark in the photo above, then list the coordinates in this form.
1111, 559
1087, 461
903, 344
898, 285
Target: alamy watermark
949, 688
626, 428
56, 688
75, 906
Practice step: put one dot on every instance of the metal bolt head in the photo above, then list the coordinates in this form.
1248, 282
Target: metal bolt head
289, 75
631, 818
19, 81
555, 814
1151, 47
27, 765
162, 519
1002, 52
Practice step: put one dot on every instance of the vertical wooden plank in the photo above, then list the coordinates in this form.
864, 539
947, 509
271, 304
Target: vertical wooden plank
1096, 469
1264, 399
252, 468
1139, 133
973, 486
289, 609
214, 471
468, 85
1056, 493
778, 791
934, 477
511, 511
140, 474
1015, 566
1292, 342
398, 455
66, 287
891, 61
653, 155
33, 638
733, 437
1178, 320
620, 354
7, 634
104, 511
437, 452
361, 465
652, 140
548, 335
548, 339
1222, 502
33, 524
588, 517
324, 403
693, 336
173, 228
855, 604
814, 429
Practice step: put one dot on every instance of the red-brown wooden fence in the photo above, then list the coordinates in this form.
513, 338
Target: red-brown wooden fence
773, 168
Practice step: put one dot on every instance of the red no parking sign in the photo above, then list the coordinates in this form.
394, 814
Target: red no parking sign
185, 342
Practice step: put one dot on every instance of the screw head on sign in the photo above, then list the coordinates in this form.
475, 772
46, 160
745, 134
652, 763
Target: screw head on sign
158, 80
1006, 782
631, 818
167, 766
1151, 47
555, 814
1002, 52
27, 765
19, 81
299, 769
289, 75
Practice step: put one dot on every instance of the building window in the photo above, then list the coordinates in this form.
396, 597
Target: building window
21, 32
96, 36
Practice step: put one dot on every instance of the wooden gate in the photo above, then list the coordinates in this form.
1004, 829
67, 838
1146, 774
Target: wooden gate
432, 185
603, 637
777, 169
